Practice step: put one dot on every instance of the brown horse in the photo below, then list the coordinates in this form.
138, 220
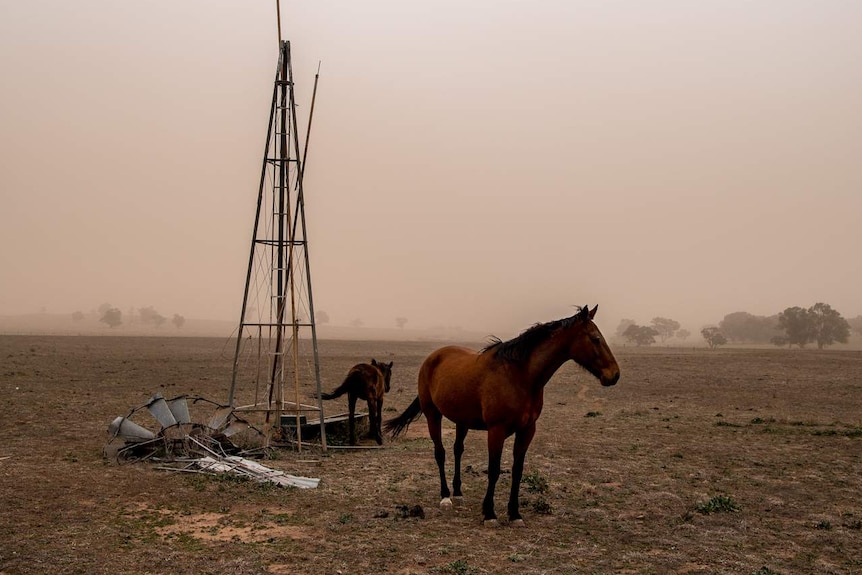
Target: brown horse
500, 389
369, 382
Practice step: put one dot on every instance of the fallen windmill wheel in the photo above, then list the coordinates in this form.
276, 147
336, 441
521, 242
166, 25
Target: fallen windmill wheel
182, 427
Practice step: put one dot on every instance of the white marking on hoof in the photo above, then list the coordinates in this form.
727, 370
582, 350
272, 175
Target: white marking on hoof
458, 500
517, 523
445, 503
491, 523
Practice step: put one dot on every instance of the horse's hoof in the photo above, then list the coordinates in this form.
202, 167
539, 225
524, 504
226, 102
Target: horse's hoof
491, 523
517, 523
458, 500
445, 503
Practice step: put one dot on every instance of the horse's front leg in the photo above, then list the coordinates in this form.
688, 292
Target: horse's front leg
351, 424
460, 434
522, 443
496, 438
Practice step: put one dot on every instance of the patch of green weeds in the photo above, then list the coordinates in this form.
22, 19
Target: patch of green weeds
717, 504
230, 478
139, 527
726, 424
765, 571
761, 421
535, 482
186, 542
824, 525
593, 414
282, 519
516, 558
542, 507
457, 567
345, 518
855, 432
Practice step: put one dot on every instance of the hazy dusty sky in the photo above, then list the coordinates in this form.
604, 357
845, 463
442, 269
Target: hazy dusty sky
487, 164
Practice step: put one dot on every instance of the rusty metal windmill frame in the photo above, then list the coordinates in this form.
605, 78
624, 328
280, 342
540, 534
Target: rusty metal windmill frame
277, 303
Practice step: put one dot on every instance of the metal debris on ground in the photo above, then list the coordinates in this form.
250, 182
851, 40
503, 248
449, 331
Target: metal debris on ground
221, 444
250, 469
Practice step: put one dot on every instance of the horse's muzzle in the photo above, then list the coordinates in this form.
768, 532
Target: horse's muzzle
611, 379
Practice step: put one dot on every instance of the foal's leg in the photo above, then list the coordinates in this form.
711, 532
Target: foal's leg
522, 442
496, 438
374, 420
379, 420
351, 405
460, 433
435, 424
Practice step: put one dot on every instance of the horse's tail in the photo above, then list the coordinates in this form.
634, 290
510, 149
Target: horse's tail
341, 389
400, 424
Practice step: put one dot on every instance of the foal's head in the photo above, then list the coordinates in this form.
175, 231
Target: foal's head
589, 349
385, 369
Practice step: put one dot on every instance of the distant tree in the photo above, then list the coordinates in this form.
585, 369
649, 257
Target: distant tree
401, 322
796, 325
103, 308
742, 326
357, 323
321, 317
665, 327
623, 326
149, 316
713, 336
112, 316
78, 316
640, 334
827, 325
683, 334
178, 320
855, 323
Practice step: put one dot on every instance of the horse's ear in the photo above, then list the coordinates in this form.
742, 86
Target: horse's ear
374, 362
593, 311
391, 363
584, 312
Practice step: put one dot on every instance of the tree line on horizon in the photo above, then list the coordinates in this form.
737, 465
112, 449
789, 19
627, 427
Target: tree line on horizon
113, 316
819, 324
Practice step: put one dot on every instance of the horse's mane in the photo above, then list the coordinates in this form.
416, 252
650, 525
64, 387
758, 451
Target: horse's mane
519, 348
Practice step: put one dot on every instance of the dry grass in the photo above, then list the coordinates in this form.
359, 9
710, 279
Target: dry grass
620, 477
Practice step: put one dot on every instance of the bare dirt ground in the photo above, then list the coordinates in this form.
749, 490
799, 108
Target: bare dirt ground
638, 478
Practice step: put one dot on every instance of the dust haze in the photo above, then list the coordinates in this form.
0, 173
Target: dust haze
483, 166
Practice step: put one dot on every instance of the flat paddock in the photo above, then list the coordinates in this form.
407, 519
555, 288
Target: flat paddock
627, 469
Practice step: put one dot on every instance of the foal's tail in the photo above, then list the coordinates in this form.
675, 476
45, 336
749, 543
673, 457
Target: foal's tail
400, 424
341, 389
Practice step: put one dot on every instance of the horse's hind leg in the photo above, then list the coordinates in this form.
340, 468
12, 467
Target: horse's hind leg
458, 449
435, 425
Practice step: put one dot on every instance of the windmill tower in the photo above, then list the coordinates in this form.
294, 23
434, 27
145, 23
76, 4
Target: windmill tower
275, 372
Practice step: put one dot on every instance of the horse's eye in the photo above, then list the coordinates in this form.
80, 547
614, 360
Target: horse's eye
596, 339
